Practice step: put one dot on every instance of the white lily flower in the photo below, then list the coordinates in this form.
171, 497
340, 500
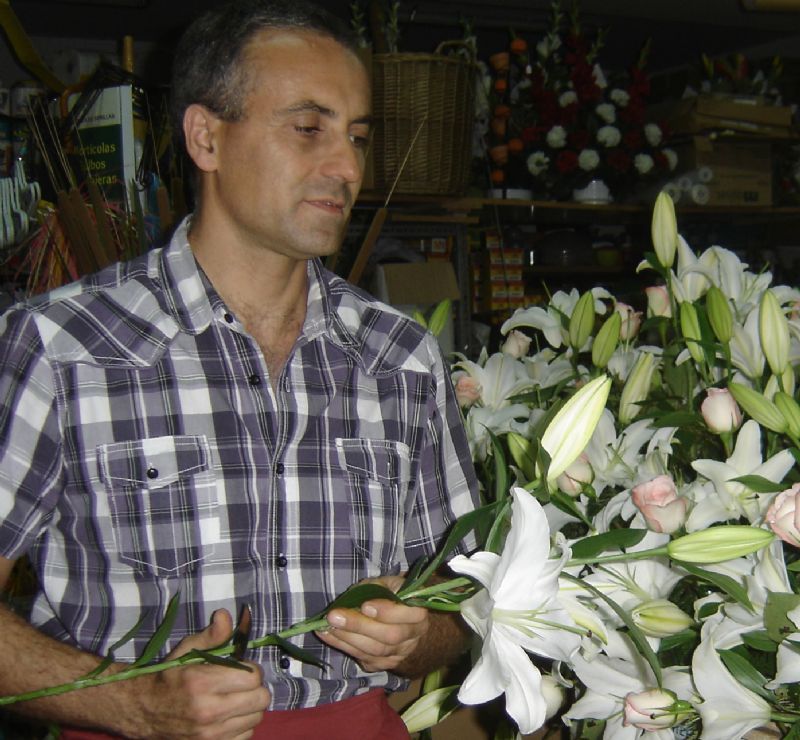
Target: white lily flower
728, 709
734, 499
788, 658
746, 354
480, 421
518, 610
501, 377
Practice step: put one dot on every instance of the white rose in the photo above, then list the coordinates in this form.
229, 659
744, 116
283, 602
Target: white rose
538, 162
567, 98
607, 112
652, 132
619, 97
643, 163
556, 137
609, 136
588, 160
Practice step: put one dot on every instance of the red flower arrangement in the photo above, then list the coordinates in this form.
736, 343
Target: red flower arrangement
556, 122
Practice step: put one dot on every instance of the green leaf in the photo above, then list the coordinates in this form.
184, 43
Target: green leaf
500, 527
616, 539
439, 317
676, 419
356, 595
161, 635
760, 640
794, 732
776, 620
298, 653
109, 659
744, 672
636, 634
794, 567
501, 478
759, 484
567, 504
727, 584
685, 637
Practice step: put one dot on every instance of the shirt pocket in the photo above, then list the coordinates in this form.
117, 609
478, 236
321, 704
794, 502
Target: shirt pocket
378, 476
162, 498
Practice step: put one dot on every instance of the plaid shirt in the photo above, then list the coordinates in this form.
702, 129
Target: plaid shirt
144, 453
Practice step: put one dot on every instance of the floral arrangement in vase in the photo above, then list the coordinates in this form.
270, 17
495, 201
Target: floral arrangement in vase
558, 121
640, 530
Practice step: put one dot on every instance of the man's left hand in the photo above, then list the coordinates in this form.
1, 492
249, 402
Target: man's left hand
382, 635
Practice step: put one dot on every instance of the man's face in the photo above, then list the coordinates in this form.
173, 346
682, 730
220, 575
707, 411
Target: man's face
288, 172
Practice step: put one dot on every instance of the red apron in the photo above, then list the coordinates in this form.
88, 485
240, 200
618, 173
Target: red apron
367, 717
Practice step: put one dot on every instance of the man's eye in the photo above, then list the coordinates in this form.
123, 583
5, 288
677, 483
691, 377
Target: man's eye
360, 142
307, 130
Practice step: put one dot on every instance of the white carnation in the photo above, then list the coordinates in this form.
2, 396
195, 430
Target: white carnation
556, 137
538, 162
599, 76
643, 163
672, 158
609, 136
588, 160
652, 132
607, 112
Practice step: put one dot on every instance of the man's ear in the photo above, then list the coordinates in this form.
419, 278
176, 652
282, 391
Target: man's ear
200, 127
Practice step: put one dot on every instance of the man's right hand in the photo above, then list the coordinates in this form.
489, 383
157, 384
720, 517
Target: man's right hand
204, 701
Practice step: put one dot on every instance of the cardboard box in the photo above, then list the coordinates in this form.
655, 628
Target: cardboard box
417, 286
737, 113
740, 171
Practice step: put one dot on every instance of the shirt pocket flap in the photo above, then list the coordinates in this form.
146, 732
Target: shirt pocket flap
152, 463
383, 460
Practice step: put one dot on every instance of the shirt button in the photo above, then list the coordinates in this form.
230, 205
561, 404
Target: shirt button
281, 561
285, 663
279, 468
152, 473
254, 379
228, 318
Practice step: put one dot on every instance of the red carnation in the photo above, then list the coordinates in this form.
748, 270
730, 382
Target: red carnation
566, 161
619, 160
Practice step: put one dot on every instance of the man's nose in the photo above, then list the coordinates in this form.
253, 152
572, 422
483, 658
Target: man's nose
344, 161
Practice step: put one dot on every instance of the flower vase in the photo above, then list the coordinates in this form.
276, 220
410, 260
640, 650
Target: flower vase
595, 191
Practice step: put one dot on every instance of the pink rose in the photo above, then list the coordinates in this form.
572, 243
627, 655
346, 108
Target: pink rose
658, 500
631, 320
720, 411
658, 302
783, 515
517, 344
468, 391
650, 710
576, 477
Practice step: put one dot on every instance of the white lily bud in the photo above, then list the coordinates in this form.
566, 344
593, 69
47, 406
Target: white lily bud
774, 332
570, 430
637, 387
660, 618
430, 709
718, 544
664, 230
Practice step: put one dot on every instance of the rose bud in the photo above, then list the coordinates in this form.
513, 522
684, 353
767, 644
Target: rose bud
720, 411
662, 508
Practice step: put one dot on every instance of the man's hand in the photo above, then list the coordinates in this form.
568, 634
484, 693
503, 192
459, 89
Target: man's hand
383, 635
204, 701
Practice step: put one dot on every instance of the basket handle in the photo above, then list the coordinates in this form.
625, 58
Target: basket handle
456, 44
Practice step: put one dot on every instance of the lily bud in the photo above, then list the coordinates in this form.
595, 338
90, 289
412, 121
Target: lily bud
784, 382
581, 322
606, 340
664, 230
439, 317
690, 327
653, 710
720, 411
790, 410
764, 411
660, 618
636, 388
720, 315
553, 695
569, 432
430, 709
658, 301
774, 332
521, 451
718, 544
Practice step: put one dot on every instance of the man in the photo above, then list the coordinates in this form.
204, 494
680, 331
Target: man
225, 420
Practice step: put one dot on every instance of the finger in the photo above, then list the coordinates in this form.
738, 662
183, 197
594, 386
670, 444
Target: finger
383, 610
218, 631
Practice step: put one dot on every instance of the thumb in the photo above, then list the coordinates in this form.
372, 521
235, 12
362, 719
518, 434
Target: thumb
217, 632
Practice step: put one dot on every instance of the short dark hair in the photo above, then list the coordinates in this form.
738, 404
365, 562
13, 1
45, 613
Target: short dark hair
207, 68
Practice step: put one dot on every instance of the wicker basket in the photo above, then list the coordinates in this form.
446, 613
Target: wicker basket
408, 89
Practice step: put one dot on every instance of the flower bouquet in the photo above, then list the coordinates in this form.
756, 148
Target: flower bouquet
557, 122
638, 566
